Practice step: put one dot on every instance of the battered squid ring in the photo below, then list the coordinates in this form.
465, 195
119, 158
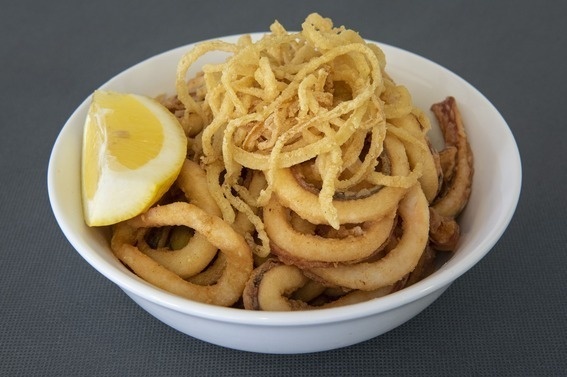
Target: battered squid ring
198, 252
347, 197
212, 273
239, 263
308, 249
414, 212
271, 285
401, 176
430, 177
292, 195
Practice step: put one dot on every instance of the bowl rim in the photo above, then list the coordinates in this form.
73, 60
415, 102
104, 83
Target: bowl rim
441, 279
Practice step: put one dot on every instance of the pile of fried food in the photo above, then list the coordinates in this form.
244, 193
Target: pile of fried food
310, 181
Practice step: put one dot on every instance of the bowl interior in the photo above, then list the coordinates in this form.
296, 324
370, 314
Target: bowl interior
495, 191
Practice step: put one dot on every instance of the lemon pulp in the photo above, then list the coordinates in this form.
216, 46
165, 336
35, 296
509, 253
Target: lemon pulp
133, 149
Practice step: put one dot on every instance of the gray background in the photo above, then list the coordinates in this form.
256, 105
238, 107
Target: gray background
58, 316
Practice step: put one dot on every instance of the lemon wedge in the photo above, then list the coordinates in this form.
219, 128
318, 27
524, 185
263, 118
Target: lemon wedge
133, 150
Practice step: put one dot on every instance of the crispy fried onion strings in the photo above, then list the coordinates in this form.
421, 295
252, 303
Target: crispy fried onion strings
272, 104
310, 170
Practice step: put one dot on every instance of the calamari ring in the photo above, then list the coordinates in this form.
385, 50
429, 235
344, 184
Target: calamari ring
239, 263
306, 204
292, 194
212, 273
271, 285
414, 212
309, 291
400, 175
413, 123
430, 179
198, 252
425, 267
186, 261
314, 248
397, 100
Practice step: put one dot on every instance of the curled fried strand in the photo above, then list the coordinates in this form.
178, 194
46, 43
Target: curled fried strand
455, 194
414, 212
229, 286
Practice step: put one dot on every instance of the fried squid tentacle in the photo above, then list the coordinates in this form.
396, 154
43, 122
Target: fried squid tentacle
456, 191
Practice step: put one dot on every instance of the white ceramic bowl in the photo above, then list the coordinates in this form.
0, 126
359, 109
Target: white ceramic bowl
495, 194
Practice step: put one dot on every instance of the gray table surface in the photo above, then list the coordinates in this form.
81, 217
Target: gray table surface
59, 317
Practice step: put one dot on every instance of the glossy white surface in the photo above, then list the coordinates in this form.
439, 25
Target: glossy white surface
495, 193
